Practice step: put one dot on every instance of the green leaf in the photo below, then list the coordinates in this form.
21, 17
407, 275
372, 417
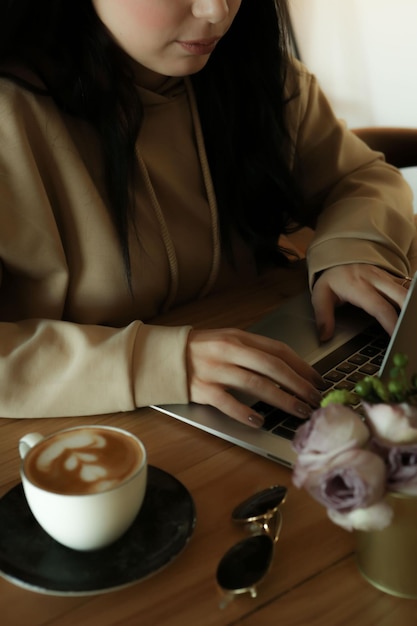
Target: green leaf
338, 396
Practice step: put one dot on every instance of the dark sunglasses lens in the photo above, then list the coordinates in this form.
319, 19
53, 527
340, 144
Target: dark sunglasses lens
246, 563
260, 503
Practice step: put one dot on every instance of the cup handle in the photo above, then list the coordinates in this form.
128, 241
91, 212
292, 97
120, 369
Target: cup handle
27, 442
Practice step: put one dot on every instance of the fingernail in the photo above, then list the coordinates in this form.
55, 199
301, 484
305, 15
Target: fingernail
318, 378
303, 410
315, 399
323, 334
256, 421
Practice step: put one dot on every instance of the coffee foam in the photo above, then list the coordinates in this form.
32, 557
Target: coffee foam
88, 460
71, 441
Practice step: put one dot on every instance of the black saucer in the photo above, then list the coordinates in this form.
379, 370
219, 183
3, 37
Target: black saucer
30, 558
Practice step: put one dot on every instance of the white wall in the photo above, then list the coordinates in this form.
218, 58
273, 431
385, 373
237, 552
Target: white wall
364, 53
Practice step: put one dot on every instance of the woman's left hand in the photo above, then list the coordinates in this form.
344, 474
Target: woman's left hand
368, 287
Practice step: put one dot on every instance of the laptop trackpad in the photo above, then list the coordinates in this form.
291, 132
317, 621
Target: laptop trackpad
294, 324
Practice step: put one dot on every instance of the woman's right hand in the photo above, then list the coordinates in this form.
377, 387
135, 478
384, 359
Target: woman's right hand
226, 360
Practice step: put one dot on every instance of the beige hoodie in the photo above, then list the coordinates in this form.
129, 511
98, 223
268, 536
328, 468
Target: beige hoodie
71, 342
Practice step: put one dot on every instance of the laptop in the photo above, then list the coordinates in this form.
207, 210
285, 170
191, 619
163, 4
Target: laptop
359, 347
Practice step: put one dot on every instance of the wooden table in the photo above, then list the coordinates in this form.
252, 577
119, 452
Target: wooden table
314, 579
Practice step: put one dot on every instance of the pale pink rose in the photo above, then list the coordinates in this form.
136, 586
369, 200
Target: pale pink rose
401, 463
374, 517
352, 480
392, 423
330, 430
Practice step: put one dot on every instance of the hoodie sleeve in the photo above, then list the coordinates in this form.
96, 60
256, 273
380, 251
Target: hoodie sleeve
68, 346
360, 207
55, 368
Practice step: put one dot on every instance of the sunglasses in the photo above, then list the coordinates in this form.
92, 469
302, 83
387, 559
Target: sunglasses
246, 563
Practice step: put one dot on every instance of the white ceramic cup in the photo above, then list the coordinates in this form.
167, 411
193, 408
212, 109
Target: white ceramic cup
84, 485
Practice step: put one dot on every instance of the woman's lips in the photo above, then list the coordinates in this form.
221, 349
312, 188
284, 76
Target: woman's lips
205, 46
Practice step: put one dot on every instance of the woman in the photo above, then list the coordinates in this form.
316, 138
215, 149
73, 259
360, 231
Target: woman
152, 151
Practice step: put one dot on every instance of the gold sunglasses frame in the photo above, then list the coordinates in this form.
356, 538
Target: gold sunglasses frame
265, 528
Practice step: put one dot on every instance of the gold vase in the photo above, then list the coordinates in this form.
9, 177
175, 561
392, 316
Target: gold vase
388, 558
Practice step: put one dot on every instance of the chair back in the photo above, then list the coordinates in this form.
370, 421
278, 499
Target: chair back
398, 144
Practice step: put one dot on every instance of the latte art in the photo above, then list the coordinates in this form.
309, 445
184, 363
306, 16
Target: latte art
81, 461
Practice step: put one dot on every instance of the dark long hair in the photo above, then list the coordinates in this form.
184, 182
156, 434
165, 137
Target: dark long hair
239, 93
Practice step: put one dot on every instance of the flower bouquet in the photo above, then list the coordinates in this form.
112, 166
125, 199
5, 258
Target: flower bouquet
349, 462
362, 466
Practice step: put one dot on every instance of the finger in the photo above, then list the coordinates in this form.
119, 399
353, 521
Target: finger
376, 292
397, 291
294, 395
225, 402
228, 404
324, 302
377, 305
258, 361
275, 360
267, 378
392, 289
384, 312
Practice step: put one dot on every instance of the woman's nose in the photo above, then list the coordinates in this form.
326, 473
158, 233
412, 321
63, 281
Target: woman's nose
213, 11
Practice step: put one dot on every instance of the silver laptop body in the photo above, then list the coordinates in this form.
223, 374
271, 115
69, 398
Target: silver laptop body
293, 323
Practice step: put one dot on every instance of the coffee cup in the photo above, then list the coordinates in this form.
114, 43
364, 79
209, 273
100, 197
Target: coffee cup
84, 485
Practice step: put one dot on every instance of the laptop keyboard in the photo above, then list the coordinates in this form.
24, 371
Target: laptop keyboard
359, 357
